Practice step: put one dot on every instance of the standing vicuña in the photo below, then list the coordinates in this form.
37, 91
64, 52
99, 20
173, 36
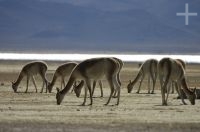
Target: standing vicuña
120, 62
62, 71
149, 68
29, 70
93, 69
172, 70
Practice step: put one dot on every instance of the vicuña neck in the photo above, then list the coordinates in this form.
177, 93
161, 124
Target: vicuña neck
68, 86
136, 79
185, 87
53, 80
19, 79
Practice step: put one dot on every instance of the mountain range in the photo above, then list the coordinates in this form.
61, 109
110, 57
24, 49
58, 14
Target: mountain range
136, 26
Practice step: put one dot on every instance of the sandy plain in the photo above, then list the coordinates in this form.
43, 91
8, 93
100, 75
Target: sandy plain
137, 112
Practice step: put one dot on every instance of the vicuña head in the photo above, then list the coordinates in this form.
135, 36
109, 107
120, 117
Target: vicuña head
14, 87
192, 96
49, 87
59, 96
129, 87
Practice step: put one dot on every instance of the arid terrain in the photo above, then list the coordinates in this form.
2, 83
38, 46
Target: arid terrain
136, 112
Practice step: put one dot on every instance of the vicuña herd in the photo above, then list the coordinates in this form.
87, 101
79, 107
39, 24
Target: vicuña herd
171, 72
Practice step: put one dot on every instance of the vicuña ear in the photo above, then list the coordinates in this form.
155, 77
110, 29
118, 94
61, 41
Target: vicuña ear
129, 81
58, 90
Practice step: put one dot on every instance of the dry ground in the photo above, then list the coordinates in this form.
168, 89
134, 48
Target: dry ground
136, 112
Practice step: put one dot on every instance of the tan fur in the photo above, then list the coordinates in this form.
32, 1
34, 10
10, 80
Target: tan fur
172, 70
149, 69
62, 71
30, 70
93, 69
120, 62
173, 83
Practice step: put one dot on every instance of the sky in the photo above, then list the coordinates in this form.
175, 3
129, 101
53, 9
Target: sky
120, 26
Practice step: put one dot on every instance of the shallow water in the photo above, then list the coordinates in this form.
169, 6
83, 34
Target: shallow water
80, 57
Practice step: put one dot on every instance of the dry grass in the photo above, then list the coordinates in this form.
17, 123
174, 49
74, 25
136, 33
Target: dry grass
136, 112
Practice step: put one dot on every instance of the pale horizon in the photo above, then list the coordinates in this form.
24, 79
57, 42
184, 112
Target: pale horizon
83, 56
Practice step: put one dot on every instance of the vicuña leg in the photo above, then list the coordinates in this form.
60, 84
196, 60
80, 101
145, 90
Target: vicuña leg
112, 88
44, 80
149, 84
27, 83
33, 80
138, 91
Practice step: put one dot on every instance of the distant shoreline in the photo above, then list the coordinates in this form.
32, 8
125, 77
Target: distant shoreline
94, 52
80, 56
